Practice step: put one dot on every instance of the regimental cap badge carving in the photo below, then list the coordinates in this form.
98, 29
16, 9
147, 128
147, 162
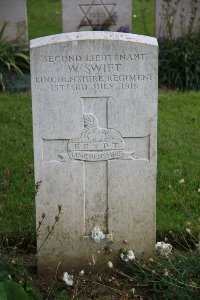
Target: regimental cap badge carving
96, 143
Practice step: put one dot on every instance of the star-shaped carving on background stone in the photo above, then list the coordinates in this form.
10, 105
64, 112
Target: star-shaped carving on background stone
96, 13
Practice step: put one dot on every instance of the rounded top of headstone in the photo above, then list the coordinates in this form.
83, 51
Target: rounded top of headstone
93, 35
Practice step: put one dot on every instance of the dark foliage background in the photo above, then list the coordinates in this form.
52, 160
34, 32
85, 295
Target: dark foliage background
179, 62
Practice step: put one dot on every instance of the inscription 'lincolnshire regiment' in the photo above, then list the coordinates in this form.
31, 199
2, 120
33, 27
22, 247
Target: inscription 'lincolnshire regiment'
95, 156
94, 78
96, 143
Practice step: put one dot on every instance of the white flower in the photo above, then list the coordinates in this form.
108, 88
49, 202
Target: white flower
182, 180
97, 235
110, 264
123, 257
198, 246
127, 255
151, 259
93, 260
133, 290
68, 279
130, 255
81, 273
166, 273
188, 230
163, 248
188, 223
109, 237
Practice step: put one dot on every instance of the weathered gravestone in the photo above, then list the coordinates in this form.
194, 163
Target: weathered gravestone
94, 120
13, 12
84, 15
175, 18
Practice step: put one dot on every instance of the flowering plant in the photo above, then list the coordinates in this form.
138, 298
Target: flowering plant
163, 249
68, 279
97, 235
127, 255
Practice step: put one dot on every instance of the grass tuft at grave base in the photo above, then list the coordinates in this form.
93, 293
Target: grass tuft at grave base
178, 177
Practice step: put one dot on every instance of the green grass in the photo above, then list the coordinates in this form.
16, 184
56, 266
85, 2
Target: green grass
16, 177
44, 17
178, 157
143, 17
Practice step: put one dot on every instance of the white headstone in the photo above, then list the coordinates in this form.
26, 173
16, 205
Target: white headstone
13, 12
94, 100
97, 15
176, 18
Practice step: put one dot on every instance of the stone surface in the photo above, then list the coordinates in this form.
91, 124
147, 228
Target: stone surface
175, 18
14, 13
94, 100
85, 15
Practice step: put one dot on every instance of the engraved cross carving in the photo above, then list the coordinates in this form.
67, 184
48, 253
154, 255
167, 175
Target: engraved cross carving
97, 146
